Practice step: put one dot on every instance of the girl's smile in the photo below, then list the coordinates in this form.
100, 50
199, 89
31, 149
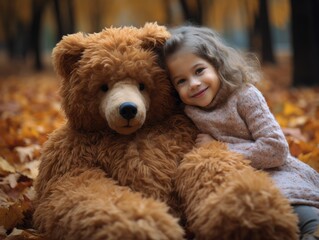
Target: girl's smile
200, 93
194, 78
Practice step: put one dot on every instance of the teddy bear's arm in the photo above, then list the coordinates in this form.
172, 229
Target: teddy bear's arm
85, 204
225, 198
77, 200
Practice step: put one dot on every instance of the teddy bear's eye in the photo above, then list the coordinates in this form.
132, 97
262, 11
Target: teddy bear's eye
141, 86
104, 87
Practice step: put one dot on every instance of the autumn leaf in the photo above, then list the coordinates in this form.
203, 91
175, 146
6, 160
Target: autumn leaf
10, 213
24, 234
5, 167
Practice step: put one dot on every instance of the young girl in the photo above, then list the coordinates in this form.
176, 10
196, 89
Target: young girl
215, 83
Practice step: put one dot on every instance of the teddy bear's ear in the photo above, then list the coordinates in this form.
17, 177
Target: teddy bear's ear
67, 53
153, 36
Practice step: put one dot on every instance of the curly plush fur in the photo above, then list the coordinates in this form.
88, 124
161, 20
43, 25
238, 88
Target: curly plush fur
231, 197
124, 166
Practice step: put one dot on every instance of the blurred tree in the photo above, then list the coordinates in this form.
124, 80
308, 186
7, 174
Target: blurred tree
305, 39
64, 14
38, 7
260, 39
168, 11
192, 11
251, 15
21, 27
14, 27
94, 15
90, 14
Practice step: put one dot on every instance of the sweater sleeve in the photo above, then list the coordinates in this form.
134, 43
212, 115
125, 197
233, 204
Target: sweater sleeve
269, 147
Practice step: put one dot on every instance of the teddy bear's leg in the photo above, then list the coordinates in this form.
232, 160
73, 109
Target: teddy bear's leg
87, 205
227, 199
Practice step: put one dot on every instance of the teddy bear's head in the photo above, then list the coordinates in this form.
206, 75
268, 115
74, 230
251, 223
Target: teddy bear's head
112, 79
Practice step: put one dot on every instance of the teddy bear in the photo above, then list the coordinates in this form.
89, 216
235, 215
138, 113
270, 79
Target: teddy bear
124, 165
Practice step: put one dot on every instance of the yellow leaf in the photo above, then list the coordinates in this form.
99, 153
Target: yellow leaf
307, 147
6, 167
291, 109
312, 159
298, 121
283, 121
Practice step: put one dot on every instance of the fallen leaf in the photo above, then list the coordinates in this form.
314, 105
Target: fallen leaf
5, 167
24, 234
11, 180
10, 214
291, 109
294, 133
26, 153
29, 169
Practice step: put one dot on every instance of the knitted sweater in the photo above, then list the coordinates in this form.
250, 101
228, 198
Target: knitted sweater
242, 119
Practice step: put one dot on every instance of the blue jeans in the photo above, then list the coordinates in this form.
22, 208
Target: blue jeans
308, 221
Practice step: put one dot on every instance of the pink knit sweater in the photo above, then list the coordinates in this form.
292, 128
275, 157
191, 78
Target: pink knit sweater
242, 119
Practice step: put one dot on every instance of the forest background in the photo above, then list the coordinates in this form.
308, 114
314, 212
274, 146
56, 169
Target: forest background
283, 33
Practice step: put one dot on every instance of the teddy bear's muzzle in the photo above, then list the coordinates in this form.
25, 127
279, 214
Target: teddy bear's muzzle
125, 108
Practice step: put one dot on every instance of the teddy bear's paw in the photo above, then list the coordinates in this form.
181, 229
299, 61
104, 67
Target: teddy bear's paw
145, 219
248, 207
98, 211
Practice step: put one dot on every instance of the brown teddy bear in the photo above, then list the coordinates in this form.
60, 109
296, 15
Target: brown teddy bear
124, 167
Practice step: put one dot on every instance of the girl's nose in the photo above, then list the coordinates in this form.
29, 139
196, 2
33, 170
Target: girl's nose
194, 82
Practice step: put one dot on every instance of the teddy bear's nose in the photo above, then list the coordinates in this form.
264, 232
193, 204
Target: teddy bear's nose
128, 110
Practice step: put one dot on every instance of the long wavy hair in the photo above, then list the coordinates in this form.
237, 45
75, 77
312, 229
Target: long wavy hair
233, 67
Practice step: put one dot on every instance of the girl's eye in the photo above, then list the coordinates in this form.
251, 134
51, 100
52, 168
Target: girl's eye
104, 87
180, 81
199, 70
141, 86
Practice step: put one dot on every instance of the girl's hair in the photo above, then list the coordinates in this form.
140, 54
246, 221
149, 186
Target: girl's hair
233, 67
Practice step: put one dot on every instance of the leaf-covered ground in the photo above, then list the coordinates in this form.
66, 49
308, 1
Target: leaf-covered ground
30, 110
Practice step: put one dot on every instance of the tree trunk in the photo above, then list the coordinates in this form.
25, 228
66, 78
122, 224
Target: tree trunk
305, 40
260, 39
168, 11
71, 28
58, 19
37, 13
14, 31
267, 50
64, 17
192, 15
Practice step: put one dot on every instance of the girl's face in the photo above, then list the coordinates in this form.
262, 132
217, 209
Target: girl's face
195, 79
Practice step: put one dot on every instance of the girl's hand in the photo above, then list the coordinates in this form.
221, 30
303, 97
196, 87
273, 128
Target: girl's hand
203, 139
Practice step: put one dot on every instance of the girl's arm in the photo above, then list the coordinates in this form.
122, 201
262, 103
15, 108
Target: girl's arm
269, 148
